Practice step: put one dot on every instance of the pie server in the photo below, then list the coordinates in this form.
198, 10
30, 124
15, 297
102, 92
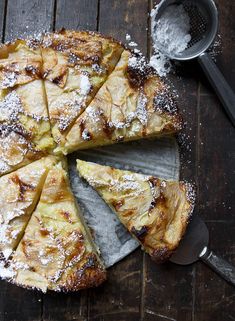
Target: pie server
194, 247
203, 16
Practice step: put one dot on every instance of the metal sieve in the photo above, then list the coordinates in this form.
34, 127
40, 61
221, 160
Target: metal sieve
203, 16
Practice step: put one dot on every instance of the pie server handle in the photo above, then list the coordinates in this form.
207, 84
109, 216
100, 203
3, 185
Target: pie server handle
220, 85
219, 265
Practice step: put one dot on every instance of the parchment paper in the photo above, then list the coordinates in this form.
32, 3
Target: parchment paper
159, 157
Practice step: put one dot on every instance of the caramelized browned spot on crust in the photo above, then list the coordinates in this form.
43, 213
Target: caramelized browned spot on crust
59, 80
154, 181
107, 129
23, 187
137, 76
161, 254
118, 204
25, 245
66, 215
44, 232
159, 201
141, 233
89, 274
82, 128
59, 190
8, 128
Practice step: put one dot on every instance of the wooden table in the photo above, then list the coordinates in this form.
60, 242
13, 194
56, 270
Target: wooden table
137, 289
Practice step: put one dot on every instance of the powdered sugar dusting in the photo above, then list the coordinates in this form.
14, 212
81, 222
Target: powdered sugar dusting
171, 31
160, 63
141, 111
85, 85
10, 107
6, 272
164, 102
9, 79
171, 34
74, 104
138, 62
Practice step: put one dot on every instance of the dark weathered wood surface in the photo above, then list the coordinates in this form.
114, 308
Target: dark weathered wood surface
137, 289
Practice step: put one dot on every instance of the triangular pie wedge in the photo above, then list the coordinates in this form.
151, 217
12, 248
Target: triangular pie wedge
75, 65
155, 211
133, 103
19, 194
24, 124
57, 252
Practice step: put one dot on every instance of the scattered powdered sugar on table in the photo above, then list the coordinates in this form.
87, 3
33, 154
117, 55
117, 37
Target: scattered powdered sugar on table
160, 63
216, 48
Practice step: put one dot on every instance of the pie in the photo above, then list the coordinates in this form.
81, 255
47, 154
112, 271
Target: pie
75, 65
133, 103
24, 124
155, 211
66, 91
73, 90
57, 251
19, 194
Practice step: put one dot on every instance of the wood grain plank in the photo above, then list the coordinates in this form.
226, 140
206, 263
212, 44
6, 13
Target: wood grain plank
120, 298
225, 60
2, 17
23, 18
217, 158
26, 17
117, 18
19, 304
79, 14
65, 307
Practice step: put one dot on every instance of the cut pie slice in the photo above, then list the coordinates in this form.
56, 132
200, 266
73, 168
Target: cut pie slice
75, 66
24, 124
154, 210
133, 103
57, 252
20, 63
19, 194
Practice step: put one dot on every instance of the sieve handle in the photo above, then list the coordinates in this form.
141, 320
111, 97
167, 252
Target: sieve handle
220, 85
219, 265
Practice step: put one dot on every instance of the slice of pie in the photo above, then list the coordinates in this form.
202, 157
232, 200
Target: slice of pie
154, 210
75, 65
24, 124
133, 103
19, 194
20, 63
57, 252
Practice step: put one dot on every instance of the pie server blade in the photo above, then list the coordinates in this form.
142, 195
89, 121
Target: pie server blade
194, 247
